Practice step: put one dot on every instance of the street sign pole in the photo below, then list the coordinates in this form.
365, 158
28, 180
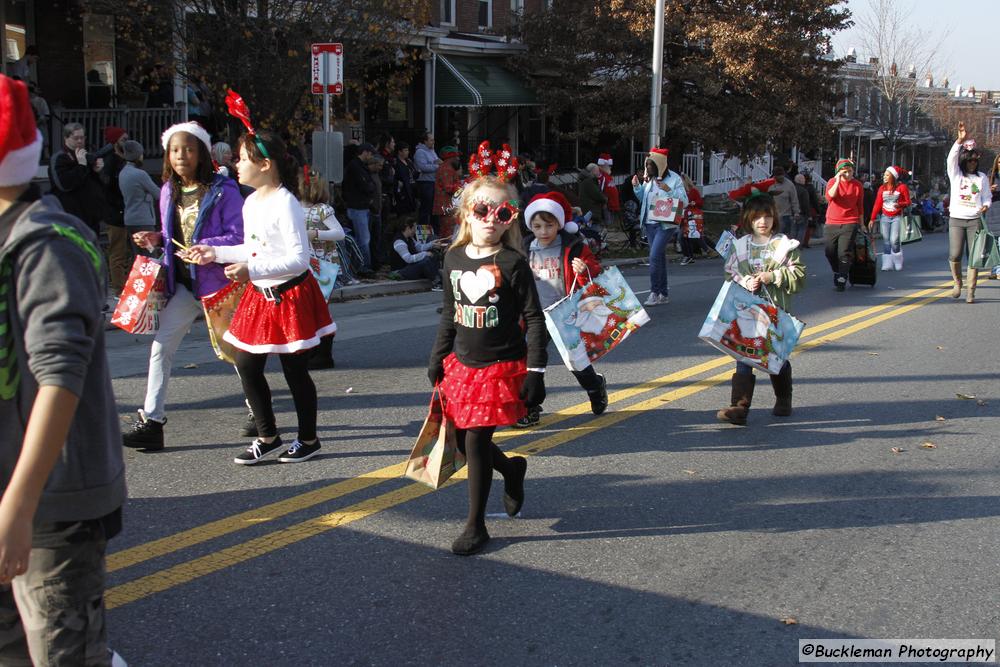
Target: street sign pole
326, 92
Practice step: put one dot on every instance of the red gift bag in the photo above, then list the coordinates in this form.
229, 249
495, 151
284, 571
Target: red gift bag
142, 298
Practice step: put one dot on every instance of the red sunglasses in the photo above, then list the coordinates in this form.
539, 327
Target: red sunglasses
504, 212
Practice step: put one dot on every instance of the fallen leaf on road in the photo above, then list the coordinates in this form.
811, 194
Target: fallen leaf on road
939, 418
690, 472
897, 450
928, 445
967, 397
981, 403
350, 390
189, 366
873, 354
788, 620
939, 347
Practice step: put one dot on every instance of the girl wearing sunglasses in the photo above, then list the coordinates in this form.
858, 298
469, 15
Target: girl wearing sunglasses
486, 366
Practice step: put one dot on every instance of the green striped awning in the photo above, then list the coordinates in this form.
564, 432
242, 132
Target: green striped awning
463, 81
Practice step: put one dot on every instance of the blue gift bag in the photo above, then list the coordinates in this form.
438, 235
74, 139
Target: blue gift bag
325, 273
595, 319
751, 329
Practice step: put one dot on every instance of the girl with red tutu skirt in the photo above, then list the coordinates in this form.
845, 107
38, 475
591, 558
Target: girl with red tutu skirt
282, 311
485, 364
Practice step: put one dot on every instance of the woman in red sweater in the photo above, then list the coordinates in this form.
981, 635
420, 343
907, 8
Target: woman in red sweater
891, 201
844, 211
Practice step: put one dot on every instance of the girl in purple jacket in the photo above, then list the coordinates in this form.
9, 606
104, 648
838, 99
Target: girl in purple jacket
196, 206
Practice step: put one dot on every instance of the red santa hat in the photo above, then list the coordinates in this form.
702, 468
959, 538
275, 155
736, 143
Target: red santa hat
897, 172
604, 160
555, 204
191, 127
20, 140
113, 133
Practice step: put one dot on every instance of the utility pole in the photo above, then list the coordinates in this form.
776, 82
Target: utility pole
656, 89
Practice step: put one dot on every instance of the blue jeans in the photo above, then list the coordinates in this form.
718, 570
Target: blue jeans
793, 227
362, 234
658, 238
890, 234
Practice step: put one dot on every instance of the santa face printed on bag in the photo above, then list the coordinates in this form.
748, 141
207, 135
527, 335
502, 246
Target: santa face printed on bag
753, 331
469, 288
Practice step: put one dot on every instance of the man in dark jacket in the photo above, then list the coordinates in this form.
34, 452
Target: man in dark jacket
118, 236
359, 188
73, 174
592, 200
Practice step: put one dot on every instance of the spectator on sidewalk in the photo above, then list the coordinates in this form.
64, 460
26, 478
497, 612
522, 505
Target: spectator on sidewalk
359, 189
412, 259
786, 197
119, 261
377, 221
406, 174
73, 175
64, 478
139, 194
540, 186
592, 200
447, 182
802, 191
427, 163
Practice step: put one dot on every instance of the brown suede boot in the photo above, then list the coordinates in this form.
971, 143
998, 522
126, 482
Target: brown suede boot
782, 384
970, 285
742, 396
956, 276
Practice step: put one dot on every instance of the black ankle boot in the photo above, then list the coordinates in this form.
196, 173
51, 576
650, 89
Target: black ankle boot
513, 486
471, 541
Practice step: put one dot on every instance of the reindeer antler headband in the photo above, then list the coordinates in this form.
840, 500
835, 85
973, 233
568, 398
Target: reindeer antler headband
238, 109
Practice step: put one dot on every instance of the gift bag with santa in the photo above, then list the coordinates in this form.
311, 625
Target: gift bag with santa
751, 329
594, 320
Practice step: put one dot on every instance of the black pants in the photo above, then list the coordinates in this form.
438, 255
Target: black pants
839, 242
251, 370
426, 268
425, 193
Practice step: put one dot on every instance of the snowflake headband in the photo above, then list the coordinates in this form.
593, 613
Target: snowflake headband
483, 161
238, 109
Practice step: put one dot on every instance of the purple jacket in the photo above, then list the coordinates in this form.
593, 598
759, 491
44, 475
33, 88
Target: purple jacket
220, 222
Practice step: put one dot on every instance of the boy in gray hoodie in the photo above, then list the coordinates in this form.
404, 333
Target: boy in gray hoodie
61, 470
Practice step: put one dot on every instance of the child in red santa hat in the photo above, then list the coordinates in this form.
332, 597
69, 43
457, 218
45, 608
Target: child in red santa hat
560, 261
283, 312
604, 179
486, 366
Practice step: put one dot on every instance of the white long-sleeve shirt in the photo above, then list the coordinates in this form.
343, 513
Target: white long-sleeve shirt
969, 193
275, 246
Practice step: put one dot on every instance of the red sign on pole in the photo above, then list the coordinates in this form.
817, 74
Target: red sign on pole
328, 69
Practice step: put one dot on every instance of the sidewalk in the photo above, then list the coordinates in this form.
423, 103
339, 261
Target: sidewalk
389, 287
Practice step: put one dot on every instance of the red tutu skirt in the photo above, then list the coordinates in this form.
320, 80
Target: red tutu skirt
488, 396
296, 323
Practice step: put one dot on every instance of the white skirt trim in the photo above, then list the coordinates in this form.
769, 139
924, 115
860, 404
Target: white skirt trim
286, 348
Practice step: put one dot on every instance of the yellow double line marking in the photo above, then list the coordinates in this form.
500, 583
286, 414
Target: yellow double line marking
188, 571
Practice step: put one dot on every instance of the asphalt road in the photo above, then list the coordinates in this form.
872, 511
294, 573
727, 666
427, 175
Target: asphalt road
651, 535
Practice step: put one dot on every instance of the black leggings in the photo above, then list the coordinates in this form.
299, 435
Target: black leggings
482, 457
251, 371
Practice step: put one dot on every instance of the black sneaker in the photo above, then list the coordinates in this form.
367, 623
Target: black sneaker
299, 452
257, 450
436, 286
599, 397
249, 429
533, 417
146, 434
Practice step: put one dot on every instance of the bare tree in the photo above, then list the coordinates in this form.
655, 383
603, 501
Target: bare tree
893, 44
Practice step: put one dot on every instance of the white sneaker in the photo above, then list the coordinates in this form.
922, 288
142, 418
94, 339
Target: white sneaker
663, 299
652, 300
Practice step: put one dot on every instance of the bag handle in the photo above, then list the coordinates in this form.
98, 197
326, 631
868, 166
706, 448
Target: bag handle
590, 279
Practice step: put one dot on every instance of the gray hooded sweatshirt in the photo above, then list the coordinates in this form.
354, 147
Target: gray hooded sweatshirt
52, 284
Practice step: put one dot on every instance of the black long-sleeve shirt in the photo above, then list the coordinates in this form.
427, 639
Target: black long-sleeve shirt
485, 301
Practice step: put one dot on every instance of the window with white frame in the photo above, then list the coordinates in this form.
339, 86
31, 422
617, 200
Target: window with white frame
485, 13
447, 12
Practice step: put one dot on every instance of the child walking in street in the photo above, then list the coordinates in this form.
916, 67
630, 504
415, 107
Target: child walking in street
283, 312
891, 201
486, 366
560, 262
763, 260
324, 231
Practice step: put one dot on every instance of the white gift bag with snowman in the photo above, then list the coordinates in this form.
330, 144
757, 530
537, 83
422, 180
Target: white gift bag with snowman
751, 329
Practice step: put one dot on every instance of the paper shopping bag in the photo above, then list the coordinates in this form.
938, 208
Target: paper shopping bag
751, 329
435, 456
142, 298
662, 207
219, 309
725, 245
325, 273
594, 320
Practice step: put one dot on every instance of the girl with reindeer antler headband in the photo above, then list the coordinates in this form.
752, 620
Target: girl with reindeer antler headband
283, 311
486, 367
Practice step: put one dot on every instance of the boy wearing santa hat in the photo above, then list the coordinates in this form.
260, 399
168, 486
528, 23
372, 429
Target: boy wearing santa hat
63, 477
560, 260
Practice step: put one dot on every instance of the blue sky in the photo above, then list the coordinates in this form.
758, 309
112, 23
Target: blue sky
972, 54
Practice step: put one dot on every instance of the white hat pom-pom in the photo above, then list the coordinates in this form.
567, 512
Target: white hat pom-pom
571, 227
